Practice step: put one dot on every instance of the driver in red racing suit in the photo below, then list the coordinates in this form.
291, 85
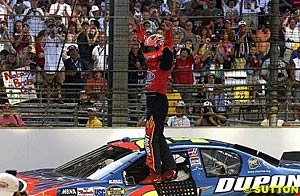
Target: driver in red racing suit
158, 53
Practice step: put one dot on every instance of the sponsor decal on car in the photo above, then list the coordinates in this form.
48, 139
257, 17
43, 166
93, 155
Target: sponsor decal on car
87, 191
99, 191
253, 163
115, 191
276, 189
68, 192
249, 183
115, 181
194, 156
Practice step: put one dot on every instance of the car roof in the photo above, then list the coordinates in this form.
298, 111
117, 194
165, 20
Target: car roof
138, 144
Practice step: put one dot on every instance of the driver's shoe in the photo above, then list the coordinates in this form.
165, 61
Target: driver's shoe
152, 178
169, 175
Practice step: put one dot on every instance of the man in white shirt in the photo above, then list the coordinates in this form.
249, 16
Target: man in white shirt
100, 53
34, 16
179, 120
54, 65
62, 9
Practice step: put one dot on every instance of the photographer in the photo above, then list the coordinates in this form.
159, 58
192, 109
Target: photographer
35, 17
54, 66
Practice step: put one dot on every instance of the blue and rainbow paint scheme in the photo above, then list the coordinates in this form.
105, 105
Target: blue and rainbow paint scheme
205, 167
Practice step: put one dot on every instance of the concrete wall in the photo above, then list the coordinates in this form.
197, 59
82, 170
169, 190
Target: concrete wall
25, 149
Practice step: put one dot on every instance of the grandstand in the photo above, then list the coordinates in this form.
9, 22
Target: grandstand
53, 51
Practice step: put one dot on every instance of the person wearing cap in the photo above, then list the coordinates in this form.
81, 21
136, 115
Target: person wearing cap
62, 9
9, 119
93, 121
95, 13
54, 65
97, 87
180, 119
250, 10
77, 70
243, 40
11, 185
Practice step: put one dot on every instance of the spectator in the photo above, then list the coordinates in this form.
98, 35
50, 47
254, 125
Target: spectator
207, 113
35, 18
295, 78
243, 41
5, 9
54, 66
227, 50
96, 87
253, 63
291, 32
280, 123
5, 40
180, 119
11, 62
77, 70
262, 41
10, 185
61, 9
212, 10
84, 101
9, 119
95, 13
21, 37
100, 53
249, 12
231, 10
136, 73
188, 32
282, 77
72, 33
183, 72
221, 104
93, 121
82, 41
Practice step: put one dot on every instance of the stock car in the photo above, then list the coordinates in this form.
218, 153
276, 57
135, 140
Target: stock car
204, 166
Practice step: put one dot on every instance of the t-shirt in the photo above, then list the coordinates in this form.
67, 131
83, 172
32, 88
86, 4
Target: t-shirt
94, 123
53, 49
13, 120
266, 123
175, 121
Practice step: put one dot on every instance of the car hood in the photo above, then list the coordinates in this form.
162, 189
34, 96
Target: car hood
46, 181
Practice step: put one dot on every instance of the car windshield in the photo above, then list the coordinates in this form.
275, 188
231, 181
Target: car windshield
87, 164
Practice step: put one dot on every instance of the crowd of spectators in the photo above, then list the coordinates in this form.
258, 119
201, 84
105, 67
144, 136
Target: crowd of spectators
213, 37
67, 41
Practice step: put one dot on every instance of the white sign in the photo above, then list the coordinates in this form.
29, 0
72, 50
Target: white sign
19, 85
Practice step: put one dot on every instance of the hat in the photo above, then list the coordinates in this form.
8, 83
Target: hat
242, 23
228, 21
85, 22
51, 25
94, 8
25, 24
211, 1
4, 52
12, 53
2, 20
93, 109
180, 104
72, 47
207, 103
149, 31
82, 92
9, 184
